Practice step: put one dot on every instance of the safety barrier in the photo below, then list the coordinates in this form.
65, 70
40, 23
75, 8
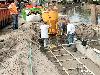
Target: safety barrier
5, 17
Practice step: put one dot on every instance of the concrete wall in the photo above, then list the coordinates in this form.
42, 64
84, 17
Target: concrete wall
91, 53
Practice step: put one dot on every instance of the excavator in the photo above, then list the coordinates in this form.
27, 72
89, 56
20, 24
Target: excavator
50, 15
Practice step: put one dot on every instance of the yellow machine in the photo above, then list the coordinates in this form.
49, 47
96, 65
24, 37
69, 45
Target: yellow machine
51, 17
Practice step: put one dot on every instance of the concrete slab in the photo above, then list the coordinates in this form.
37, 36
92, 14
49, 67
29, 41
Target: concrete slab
91, 53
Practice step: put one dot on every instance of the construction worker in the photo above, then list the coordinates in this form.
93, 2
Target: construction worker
14, 12
21, 6
63, 10
44, 33
70, 33
63, 26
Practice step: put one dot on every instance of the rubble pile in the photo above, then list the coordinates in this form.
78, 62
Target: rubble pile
15, 53
89, 33
85, 31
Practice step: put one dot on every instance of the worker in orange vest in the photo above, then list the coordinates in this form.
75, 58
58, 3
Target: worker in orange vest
14, 12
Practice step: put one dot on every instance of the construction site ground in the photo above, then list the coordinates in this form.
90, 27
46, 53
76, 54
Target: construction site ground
69, 64
20, 54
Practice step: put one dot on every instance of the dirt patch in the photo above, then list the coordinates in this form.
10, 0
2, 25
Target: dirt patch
15, 56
